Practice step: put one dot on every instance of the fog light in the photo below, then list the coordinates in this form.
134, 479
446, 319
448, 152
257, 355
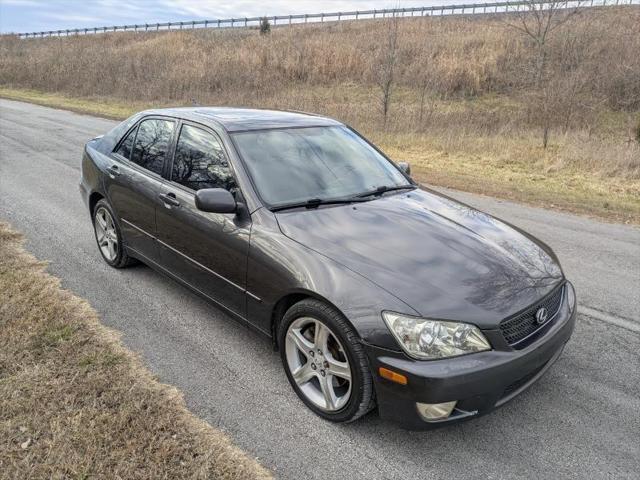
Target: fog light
435, 411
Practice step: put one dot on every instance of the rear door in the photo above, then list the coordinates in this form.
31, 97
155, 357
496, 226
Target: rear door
135, 180
206, 250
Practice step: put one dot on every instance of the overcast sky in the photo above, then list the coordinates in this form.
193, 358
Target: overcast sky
38, 15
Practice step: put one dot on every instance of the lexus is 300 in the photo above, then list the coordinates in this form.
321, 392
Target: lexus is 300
377, 292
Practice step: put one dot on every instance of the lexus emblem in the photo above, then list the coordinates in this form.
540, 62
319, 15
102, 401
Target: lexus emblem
542, 315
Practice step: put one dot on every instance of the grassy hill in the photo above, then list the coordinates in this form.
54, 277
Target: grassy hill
473, 102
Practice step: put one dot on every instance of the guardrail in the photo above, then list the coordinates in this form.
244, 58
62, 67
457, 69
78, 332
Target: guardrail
279, 20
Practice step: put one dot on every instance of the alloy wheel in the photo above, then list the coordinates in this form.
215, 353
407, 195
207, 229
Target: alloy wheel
318, 364
106, 234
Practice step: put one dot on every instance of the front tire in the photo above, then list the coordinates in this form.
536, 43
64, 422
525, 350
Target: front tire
325, 362
108, 236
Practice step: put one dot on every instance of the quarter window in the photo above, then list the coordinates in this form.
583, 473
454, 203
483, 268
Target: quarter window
152, 144
200, 162
125, 146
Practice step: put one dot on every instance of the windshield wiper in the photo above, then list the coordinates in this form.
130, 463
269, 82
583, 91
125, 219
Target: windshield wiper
362, 197
383, 189
315, 202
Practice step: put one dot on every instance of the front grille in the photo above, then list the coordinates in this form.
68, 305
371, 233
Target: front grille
522, 326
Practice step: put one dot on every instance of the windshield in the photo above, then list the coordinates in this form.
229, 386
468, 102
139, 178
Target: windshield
297, 164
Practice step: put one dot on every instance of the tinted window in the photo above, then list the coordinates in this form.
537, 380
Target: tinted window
152, 144
125, 147
200, 162
298, 164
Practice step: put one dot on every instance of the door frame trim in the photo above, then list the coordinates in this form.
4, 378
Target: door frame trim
124, 220
187, 257
198, 264
235, 315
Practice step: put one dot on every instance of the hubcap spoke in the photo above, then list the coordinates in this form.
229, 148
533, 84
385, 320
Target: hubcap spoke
328, 393
112, 249
304, 345
303, 374
321, 337
106, 234
100, 231
339, 369
100, 217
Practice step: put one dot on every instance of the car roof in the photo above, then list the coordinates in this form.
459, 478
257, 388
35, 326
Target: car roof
245, 119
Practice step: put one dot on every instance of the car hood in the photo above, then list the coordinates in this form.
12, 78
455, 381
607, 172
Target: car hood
444, 259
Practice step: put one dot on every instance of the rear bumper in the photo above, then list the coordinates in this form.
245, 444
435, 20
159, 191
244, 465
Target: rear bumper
479, 382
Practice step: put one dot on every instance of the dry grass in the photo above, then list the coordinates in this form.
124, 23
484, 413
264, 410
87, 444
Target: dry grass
478, 125
74, 403
97, 106
519, 169
455, 57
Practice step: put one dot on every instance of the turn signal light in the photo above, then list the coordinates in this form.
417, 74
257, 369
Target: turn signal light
393, 376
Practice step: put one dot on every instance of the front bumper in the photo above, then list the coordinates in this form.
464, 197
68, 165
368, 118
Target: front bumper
480, 382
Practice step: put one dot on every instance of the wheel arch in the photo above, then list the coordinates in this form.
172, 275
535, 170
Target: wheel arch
285, 302
94, 198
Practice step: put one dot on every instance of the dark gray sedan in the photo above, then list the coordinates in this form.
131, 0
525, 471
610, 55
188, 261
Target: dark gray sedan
376, 291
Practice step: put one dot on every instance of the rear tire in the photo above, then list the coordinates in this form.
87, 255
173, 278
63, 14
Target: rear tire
109, 237
338, 363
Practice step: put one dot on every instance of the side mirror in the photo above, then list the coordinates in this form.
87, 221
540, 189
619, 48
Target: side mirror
215, 200
405, 167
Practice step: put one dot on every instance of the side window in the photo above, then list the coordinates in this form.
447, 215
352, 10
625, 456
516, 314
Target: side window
152, 144
200, 162
125, 147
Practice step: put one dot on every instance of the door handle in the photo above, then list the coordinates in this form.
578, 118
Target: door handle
113, 171
169, 199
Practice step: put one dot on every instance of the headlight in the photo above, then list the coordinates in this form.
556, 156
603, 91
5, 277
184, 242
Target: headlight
429, 339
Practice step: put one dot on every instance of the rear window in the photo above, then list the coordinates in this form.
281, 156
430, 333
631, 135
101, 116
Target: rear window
152, 144
127, 144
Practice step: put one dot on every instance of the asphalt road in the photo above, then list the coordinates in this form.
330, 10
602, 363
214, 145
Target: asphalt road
581, 420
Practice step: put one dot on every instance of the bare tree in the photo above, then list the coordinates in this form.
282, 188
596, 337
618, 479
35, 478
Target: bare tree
538, 22
385, 68
424, 86
426, 83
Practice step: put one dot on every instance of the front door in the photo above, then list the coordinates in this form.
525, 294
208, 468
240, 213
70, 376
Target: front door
206, 250
135, 180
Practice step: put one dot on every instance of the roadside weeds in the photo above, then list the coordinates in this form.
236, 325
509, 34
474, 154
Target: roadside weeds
74, 403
